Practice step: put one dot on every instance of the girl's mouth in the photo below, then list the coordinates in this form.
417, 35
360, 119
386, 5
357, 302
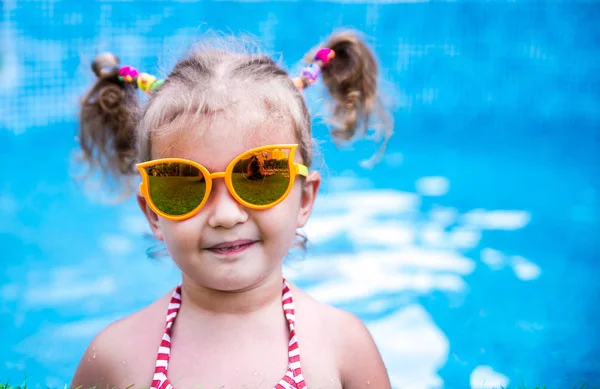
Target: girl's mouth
232, 247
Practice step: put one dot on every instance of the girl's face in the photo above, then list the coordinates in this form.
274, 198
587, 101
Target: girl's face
227, 246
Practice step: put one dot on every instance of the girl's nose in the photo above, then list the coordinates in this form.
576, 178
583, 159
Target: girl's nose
224, 210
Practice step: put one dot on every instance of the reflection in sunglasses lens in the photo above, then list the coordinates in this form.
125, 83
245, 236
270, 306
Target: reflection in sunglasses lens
176, 188
262, 177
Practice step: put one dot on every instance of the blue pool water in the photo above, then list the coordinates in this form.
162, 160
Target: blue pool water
471, 251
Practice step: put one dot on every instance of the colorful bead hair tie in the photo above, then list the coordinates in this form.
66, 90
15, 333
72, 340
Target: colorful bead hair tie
143, 81
310, 73
147, 82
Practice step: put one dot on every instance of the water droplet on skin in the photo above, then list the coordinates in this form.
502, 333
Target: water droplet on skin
368, 382
89, 359
123, 362
255, 373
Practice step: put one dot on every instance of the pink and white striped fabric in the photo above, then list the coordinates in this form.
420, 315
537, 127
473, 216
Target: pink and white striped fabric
293, 379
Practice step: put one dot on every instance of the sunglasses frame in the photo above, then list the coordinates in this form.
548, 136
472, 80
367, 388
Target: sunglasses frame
294, 168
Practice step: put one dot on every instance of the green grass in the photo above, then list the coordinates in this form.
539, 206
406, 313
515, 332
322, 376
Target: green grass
261, 191
180, 195
176, 195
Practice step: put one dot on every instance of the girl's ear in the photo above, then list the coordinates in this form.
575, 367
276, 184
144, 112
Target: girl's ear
151, 216
310, 187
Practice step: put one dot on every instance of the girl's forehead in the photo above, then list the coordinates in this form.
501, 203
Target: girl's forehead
214, 144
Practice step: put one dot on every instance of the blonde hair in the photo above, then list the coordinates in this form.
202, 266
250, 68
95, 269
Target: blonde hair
115, 132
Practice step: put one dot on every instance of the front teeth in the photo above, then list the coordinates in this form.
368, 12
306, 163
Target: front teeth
231, 248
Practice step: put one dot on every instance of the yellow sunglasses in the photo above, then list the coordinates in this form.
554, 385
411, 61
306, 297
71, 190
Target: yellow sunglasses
259, 178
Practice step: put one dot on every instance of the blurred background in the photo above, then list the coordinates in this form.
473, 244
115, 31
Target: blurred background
471, 250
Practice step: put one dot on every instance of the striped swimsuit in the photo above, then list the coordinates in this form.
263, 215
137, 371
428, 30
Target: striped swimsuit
293, 379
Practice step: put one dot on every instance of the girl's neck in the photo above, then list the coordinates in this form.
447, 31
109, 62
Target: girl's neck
264, 294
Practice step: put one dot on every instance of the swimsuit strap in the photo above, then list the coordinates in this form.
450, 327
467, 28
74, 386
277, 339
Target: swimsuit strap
293, 378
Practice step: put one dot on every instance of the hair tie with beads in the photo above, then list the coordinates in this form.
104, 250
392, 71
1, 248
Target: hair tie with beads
143, 81
310, 73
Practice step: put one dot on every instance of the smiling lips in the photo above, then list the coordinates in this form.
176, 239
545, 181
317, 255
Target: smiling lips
232, 247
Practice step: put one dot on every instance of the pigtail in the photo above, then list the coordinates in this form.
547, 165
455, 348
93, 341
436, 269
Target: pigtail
109, 114
350, 77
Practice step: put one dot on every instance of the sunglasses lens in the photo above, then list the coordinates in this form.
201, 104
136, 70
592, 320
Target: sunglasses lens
262, 177
176, 188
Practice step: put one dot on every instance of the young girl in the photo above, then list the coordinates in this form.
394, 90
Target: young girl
226, 148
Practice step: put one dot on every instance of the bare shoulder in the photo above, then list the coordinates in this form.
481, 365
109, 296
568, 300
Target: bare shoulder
123, 354
313, 312
357, 357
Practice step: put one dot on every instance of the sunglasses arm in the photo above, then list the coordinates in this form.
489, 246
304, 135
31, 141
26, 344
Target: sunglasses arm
301, 169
